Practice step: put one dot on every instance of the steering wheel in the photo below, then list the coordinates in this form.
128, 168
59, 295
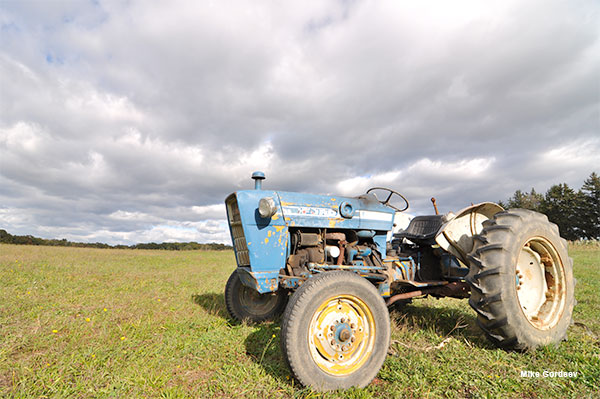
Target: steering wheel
387, 200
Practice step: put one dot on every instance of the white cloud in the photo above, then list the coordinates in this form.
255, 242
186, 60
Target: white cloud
132, 121
464, 169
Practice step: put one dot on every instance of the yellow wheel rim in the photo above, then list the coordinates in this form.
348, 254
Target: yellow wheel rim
341, 335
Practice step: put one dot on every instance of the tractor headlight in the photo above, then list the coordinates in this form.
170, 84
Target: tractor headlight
266, 207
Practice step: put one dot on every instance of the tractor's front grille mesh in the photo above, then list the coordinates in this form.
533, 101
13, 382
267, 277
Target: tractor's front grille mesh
237, 232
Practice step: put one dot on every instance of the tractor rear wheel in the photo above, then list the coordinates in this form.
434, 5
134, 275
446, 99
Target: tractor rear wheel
521, 279
244, 303
335, 331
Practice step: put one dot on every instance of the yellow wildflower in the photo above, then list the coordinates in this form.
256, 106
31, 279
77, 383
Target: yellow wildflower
122, 338
54, 331
87, 319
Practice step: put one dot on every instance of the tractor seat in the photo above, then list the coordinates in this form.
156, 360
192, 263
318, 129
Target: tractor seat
422, 228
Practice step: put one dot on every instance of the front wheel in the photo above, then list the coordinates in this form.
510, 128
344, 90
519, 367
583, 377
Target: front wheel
335, 332
244, 303
521, 278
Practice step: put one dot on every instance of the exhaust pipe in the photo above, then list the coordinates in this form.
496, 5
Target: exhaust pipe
258, 177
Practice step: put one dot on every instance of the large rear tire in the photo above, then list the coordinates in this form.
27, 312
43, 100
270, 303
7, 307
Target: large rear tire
335, 332
246, 304
521, 279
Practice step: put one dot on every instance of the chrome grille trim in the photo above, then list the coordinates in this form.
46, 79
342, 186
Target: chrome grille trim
237, 232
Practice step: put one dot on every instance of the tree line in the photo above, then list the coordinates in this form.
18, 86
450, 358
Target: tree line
577, 213
8, 238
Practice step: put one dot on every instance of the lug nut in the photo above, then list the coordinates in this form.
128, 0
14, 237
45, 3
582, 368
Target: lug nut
353, 326
332, 328
353, 339
332, 342
343, 320
344, 335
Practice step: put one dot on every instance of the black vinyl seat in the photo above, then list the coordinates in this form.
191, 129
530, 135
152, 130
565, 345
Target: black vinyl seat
422, 228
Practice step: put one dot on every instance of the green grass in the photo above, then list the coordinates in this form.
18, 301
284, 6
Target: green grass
78, 322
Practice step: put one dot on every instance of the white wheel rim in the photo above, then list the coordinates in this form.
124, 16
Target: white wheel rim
540, 283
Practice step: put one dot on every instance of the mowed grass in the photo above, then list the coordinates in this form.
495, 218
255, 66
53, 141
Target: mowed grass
78, 322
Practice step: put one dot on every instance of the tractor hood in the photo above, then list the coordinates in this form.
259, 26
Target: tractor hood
260, 220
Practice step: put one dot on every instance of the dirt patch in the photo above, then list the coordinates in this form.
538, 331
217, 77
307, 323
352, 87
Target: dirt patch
6, 381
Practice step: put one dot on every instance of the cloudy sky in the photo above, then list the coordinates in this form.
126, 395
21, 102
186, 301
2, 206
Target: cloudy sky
130, 121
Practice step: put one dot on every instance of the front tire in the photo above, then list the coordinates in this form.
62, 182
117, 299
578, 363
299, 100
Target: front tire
521, 279
246, 304
335, 331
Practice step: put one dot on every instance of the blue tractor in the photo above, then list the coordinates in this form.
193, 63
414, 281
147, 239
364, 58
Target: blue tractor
331, 267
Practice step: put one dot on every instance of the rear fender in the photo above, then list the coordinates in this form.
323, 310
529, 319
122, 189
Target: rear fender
456, 235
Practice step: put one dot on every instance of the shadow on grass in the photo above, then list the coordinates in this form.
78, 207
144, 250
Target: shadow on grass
263, 347
444, 321
213, 304
263, 344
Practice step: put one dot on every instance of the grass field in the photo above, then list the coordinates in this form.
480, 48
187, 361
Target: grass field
84, 323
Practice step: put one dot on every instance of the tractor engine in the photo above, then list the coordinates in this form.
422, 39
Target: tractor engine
319, 249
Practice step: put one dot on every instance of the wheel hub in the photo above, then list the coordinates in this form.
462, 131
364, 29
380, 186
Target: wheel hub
539, 280
341, 335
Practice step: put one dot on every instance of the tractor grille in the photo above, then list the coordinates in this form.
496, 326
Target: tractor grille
237, 232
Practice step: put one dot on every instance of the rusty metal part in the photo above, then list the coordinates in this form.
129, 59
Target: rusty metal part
316, 254
434, 205
456, 289
341, 256
341, 239
308, 239
406, 295
335, 236
345, 335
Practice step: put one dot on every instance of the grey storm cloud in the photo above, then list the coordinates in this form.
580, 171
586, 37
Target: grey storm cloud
127, 122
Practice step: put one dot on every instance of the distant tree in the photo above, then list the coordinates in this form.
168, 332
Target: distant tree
525, 200
588, 211
560, 205
7, 238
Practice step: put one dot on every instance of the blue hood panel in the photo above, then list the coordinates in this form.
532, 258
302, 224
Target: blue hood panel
267, 239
